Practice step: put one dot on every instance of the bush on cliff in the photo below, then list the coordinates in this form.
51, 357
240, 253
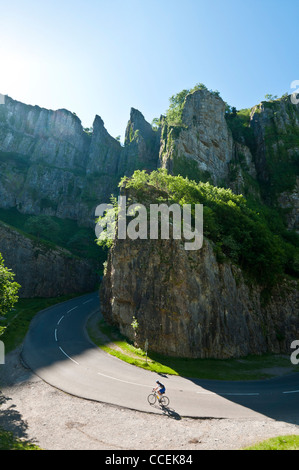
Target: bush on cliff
8, 288
240, 233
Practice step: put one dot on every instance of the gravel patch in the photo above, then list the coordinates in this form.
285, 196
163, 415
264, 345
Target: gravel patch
54, 420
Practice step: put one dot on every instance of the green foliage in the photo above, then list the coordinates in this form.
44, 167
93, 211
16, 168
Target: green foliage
67, 234
290, 442
88, 131
9, 442
270, 97
8, 288
282, 162
40, 226
174, 113
156, 123
189, 168
135, 324
239, 124
107, 222
239, 232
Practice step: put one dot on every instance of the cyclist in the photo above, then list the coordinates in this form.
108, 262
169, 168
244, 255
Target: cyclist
160, 389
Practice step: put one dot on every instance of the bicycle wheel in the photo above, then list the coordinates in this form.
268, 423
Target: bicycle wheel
164, 401
151, 399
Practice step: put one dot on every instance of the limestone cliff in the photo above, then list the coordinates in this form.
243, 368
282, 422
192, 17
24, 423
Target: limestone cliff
203, 141
276, 129
189, 305
50, 165
42, 270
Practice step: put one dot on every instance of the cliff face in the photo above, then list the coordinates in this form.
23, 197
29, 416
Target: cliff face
50, 165
189, 305
276, 130
203, 142
43, 271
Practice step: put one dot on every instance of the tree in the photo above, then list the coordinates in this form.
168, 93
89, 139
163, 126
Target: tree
8, 288
270, 97
42, 226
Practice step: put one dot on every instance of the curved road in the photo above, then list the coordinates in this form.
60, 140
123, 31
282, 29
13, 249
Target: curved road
59, 351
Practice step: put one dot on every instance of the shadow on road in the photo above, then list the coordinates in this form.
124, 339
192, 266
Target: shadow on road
276, 398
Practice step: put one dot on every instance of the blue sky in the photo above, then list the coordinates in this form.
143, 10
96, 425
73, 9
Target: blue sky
105, 56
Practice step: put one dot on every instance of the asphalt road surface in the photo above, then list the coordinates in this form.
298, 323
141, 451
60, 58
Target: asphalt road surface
58, 350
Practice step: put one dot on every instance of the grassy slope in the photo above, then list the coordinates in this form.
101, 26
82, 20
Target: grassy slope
249, 368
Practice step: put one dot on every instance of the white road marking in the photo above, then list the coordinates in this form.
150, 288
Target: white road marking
68, 356
124, 381
147, 386
228, 394
72, 309
240, 394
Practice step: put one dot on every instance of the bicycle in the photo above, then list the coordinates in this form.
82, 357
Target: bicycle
153, 397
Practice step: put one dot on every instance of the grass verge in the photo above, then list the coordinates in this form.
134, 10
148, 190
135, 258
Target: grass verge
277, 443
252, 367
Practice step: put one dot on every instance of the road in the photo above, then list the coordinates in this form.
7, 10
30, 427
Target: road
58, 350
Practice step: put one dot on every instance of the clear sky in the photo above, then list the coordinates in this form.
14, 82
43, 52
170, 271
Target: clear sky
105, 56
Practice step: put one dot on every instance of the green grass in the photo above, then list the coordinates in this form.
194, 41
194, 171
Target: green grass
14, 326
9, 442
277, 443
109, 340
252, 367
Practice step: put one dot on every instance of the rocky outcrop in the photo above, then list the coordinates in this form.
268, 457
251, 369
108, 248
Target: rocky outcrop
53, 137
289, 200
42, 270
104, 151
50, 165
141, 148
276, 129
189, 305
203, 143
